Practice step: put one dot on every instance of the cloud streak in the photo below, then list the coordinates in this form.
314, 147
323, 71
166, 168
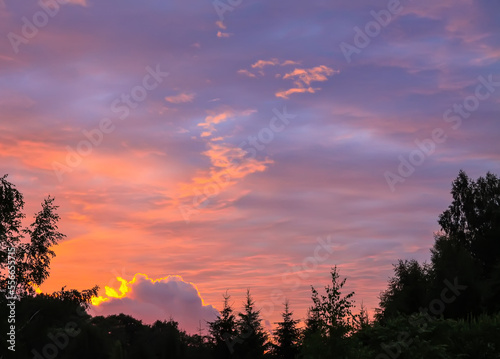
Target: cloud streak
181, 98
323, 174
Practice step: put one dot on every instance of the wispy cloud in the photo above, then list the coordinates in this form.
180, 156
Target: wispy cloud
215, 118
223, 34
285, 94
350, 128
306, 76
229, 164
181, 98
290, 62
246, 73
260, 64
220, 25
303, 79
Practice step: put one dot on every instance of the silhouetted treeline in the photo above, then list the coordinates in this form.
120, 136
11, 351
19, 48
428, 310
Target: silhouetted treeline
448, 308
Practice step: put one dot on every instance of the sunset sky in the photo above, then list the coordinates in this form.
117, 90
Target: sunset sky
196, 147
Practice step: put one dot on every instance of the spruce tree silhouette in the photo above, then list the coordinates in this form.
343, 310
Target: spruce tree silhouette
254, 339
287, 335
223, 331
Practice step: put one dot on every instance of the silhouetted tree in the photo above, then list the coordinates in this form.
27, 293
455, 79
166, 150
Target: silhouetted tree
223, 331
11, 205
11, 215
59, 318
31, 260
197, 346
473, 218
81, 298
252, 339
465, 257
25, 265
287, 336
451, 262
313, 344
332, 315
468, 249
362, 320
168, 343
407, 291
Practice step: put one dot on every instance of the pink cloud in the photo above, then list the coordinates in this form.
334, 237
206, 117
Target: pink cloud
150, 299
246, 73
223, 34
180, 98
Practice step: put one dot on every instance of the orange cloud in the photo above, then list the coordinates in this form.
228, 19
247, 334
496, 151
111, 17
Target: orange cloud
303, 78
285, 94
33, 154
263, 63
228, 165
306, 76
220, 25
224, 156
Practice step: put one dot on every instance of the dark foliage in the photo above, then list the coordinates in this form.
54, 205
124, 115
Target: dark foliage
287, 336
448, 308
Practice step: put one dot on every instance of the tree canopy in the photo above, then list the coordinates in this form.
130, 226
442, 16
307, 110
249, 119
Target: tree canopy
446, 308
31, 259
